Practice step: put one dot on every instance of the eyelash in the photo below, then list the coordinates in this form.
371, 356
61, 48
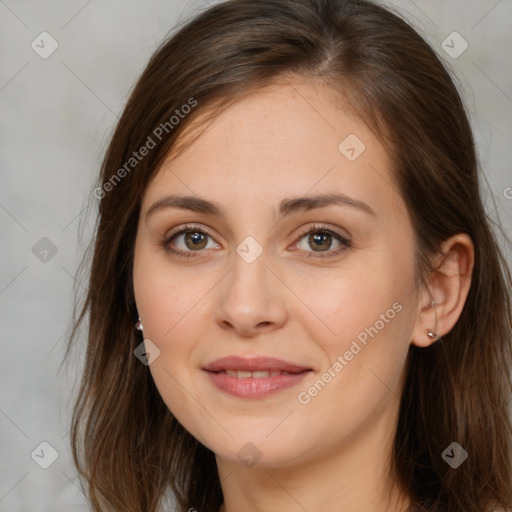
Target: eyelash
317, 228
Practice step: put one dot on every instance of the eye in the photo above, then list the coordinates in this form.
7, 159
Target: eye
189, 240
322, 239
193, 239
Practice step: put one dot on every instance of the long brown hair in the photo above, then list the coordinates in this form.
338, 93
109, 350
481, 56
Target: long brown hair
126, 444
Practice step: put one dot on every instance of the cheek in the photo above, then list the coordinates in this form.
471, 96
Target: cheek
168, 306
173, 319
166, 297
364, 369
359, 304
370, 317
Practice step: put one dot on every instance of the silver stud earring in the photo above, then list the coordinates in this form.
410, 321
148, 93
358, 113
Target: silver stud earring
138, 325
431, 334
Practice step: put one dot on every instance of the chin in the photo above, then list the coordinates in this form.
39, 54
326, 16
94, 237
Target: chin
254, 447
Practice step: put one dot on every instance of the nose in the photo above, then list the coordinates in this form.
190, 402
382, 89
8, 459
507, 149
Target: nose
251, 299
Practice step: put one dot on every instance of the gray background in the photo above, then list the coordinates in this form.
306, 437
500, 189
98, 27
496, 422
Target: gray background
56, 116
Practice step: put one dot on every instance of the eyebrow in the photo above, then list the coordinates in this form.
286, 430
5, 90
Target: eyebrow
286, 206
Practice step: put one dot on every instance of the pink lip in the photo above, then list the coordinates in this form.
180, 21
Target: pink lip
254, 387
253, 364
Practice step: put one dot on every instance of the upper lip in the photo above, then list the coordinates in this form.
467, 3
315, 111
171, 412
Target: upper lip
254, 364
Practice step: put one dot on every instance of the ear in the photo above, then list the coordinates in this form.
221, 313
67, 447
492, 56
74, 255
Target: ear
448, 288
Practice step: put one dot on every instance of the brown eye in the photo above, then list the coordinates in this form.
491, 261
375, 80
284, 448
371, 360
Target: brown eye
189, 240
323, 242
320, 241
195, 240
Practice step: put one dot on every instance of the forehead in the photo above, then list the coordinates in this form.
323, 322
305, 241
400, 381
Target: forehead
286, 139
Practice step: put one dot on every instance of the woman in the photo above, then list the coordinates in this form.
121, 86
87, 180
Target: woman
296, 301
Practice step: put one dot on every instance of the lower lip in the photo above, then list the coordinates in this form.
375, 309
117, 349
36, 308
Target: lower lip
255, 388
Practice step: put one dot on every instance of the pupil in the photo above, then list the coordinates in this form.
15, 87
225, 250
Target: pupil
196, 239
319, 240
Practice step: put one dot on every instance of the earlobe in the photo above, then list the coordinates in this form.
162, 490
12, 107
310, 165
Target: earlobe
426, 329
448, 287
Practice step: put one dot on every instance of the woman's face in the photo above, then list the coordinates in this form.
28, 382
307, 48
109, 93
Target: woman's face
293, 244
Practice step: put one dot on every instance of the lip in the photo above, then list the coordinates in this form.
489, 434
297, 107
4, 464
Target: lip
254, 364
251, 387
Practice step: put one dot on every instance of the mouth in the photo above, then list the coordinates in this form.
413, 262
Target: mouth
254, 365
262, 374
254, 377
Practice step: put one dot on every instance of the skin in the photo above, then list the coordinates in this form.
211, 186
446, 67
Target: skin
332, 453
